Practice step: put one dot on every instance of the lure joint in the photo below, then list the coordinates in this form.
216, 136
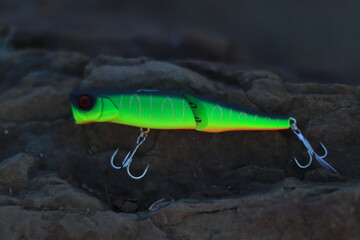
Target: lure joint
129, 157
310, 150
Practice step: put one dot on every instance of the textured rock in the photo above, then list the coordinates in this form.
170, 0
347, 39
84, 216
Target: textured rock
28, 224
147, 74
14, 172
291, 210
43, 192
53, 193
39, 79
236, 178
128, 207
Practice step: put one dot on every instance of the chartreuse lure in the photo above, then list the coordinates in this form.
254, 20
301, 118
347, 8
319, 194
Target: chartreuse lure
156, 109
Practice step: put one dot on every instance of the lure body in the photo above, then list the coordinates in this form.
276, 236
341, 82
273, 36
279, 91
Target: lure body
155, 109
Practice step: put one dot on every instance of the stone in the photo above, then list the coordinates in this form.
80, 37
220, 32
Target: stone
308, 211
28, 224
321, 211
145, 74
52, 193
129, 207
15, 171
227, 185
118, 203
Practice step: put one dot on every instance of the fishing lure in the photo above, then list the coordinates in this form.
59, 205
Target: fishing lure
157, 109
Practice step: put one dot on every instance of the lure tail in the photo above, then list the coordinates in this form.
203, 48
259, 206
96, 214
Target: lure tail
216, 116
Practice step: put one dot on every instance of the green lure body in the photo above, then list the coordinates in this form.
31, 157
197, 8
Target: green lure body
156, 109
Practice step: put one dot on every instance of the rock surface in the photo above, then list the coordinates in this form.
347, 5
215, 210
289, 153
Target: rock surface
14, 171
291, 210
56, 181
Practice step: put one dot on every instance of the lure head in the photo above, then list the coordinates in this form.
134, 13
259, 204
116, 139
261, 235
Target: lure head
90, 107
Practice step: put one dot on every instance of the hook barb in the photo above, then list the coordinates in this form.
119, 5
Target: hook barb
129, 156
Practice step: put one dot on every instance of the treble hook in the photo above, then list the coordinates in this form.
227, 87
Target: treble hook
129, 157
310, 150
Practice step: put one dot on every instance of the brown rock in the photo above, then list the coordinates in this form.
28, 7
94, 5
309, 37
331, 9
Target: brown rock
129, 207
14, 171
144, 74
212, 169
36, 84
39, 104
28, 224
52, 193
308, 211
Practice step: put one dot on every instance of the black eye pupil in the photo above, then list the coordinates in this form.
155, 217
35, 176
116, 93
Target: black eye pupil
84, 101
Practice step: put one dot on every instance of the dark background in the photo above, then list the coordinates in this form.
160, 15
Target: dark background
305, 40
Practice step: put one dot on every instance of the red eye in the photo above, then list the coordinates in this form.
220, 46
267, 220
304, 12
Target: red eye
84, 101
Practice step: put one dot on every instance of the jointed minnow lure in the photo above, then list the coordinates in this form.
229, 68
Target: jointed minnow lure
156, 109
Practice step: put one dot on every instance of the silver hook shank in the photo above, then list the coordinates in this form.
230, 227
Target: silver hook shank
129, 156
310, 150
